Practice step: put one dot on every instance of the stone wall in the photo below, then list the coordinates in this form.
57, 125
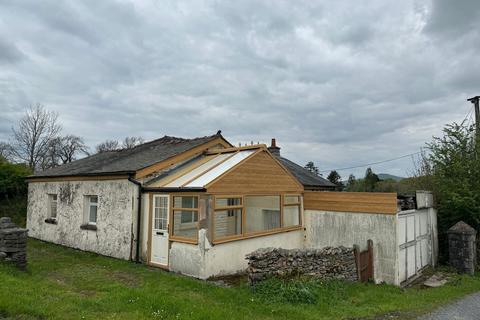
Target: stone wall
13, 243
327, 263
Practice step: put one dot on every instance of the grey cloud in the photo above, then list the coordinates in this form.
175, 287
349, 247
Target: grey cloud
9, 53
453, 18
336, 82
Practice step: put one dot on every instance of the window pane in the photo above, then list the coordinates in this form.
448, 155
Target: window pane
228, 223
262, 213
185, 224
224, 202
291, 216
52, 198
292, 199
160, 213
53, 210
185, 202
93, 214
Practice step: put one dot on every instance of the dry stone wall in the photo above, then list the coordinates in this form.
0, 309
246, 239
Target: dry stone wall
13, 243
327, 263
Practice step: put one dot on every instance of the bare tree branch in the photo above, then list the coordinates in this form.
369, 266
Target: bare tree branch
33, 135
108, 145
6, 151
131, 142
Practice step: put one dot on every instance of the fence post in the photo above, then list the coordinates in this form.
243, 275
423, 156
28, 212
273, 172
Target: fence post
356, 252
370, 259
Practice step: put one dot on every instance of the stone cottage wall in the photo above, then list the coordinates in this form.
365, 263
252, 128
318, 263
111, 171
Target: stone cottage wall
326, 263
117, 210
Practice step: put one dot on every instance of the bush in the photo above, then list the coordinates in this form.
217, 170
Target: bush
13, 191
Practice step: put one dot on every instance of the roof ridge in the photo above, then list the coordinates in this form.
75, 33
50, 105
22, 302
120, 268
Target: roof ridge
171, 137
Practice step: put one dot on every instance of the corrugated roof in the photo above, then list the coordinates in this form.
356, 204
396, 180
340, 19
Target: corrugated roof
127, 160
305, 177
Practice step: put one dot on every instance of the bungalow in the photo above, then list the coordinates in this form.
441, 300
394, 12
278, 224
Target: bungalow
195, 206
199, 206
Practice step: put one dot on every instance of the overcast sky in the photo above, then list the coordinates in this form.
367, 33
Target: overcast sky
340, 83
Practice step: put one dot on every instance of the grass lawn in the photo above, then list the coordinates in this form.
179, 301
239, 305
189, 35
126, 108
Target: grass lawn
63, 283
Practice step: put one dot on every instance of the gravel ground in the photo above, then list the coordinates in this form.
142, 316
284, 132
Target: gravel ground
467, 308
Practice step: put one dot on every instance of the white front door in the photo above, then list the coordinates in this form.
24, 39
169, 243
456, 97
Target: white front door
160, 230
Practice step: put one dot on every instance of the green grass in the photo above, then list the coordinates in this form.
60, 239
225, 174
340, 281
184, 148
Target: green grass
63, 283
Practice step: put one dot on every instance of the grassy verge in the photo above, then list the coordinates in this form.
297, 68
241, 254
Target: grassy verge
62, 283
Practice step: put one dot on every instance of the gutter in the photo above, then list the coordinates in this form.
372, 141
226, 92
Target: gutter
139, 217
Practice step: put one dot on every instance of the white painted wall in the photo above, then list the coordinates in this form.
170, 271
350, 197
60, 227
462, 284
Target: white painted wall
117, 209
205, 261
324, 228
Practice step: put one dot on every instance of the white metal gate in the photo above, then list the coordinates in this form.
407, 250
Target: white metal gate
414, 239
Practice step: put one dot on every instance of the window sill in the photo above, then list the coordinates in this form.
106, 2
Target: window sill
184, 240
258, 234
51, 220
88, 227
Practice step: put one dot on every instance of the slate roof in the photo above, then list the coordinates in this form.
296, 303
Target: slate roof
305, 177
127, 161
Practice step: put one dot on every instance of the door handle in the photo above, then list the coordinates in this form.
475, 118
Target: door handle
159, 233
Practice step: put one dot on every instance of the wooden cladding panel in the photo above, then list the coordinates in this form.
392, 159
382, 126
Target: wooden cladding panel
258, 174
362, 202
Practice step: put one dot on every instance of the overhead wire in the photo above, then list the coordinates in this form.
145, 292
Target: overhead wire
468, 118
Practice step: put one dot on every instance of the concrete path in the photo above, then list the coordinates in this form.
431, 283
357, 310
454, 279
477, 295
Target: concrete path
467, 308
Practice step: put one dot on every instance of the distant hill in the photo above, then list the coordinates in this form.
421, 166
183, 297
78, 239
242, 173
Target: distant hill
386, 176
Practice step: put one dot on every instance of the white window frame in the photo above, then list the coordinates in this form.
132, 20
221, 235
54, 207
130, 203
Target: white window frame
89, 204
51, 201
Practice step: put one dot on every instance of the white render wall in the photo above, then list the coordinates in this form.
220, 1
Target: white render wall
204, 260
325, 228
117, 210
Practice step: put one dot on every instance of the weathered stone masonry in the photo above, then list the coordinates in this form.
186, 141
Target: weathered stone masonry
326, 263
13, 243
462, 247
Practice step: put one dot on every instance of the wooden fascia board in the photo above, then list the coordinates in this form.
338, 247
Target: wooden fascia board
179, 157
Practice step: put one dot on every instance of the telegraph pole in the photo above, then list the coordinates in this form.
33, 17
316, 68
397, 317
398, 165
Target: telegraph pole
475, 101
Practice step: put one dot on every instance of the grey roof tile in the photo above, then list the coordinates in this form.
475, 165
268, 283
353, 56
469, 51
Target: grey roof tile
127, 160
305, 177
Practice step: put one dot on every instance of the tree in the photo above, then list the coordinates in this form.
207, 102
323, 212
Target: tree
334, 177
69, 147
34, 134
370, 180
131, 142
108, 145
351, 182
6, 151
455, 175
310, 166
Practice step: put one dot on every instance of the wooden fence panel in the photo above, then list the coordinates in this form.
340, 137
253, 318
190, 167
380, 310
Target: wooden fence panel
364, 202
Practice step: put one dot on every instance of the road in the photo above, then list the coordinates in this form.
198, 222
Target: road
467, 308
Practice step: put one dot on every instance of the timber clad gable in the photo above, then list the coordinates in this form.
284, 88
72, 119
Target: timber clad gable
260, 173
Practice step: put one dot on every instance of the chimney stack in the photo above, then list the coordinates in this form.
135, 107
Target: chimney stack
274, 149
